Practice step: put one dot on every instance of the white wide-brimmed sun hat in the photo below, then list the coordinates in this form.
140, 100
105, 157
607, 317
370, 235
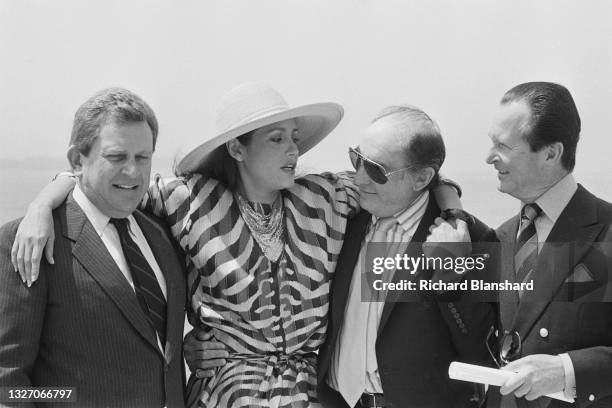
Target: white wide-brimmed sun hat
256, 104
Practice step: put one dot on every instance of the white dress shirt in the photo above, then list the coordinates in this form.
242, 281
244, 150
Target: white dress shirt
400, 233
110, 238
552, 203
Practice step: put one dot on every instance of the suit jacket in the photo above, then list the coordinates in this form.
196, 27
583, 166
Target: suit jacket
417, 339
569, 309
80, 325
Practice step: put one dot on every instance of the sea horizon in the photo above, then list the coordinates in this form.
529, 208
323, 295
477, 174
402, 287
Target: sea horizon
20, 181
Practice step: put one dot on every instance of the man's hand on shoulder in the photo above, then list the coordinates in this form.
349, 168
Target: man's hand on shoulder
448, 238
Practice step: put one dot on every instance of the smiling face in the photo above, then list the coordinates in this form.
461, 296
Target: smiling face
381, 145
115, 174
267, 162
522, 173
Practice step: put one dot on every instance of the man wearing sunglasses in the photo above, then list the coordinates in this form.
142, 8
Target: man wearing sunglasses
396, 351
557, 336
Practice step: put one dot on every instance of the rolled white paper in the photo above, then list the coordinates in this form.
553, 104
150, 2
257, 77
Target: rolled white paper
487, 375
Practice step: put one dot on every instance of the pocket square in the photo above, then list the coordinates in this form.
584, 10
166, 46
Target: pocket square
580, 274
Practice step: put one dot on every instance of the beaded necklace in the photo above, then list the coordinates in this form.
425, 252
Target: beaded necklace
267, 229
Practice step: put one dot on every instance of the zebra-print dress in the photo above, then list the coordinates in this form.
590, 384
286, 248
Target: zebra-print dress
272, 317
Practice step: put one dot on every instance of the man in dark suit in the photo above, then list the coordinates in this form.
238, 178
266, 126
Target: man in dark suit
106, 318
559, 334
395, 352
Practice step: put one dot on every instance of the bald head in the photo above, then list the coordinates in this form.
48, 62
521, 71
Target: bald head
405, 144
417, 135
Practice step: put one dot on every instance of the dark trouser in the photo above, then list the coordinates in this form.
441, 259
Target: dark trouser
331, 398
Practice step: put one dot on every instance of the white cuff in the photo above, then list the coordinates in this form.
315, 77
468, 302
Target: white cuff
570, 376
64, 174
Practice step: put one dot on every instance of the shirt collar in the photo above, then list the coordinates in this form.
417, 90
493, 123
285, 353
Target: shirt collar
98, 219
405, 217
556, 198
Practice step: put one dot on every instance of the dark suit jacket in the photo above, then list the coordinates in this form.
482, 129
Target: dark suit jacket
80, 325
571, 297
417, 339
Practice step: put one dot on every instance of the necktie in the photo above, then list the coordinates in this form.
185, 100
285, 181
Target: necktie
382, 227
352, 357
146, 286
526, 248
380, 245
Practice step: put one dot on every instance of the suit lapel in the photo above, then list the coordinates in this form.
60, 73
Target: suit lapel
91, 253
508, 298
415, 249
160, 246
570, 239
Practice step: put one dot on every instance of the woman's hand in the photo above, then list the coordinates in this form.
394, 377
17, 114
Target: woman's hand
34, 236
35, 233
202, 353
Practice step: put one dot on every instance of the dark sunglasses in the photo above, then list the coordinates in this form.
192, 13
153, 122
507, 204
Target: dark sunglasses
375, 171
510, 346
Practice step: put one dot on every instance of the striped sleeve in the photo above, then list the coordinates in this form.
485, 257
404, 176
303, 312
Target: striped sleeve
338, 190
346, 183
168, 199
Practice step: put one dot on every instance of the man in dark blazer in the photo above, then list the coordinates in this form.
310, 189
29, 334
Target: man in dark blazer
86, 323
396, 353
559, 334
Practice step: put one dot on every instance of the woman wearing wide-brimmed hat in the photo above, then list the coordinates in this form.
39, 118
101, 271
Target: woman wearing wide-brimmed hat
261, 245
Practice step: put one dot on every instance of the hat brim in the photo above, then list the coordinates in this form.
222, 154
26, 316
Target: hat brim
315, 122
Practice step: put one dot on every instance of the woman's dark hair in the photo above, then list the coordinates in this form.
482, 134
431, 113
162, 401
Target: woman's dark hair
219, 165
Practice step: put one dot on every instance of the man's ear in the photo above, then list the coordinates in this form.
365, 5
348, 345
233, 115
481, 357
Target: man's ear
75, 159
235, 149
554, 151
423, 177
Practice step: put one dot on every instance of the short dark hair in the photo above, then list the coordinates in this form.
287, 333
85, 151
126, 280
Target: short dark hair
219, 165
423, 144
554, 117
111, 105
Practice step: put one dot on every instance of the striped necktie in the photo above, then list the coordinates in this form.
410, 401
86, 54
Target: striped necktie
526, 247
146, 286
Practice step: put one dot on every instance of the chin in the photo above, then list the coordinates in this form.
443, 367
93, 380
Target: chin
505, 189
366, 204
286, 183
127, 207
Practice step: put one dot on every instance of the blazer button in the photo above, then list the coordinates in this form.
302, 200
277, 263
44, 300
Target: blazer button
591, 398
543, 332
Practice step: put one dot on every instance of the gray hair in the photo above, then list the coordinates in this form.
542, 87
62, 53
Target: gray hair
109, 105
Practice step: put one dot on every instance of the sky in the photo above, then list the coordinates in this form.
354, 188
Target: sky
453, 59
